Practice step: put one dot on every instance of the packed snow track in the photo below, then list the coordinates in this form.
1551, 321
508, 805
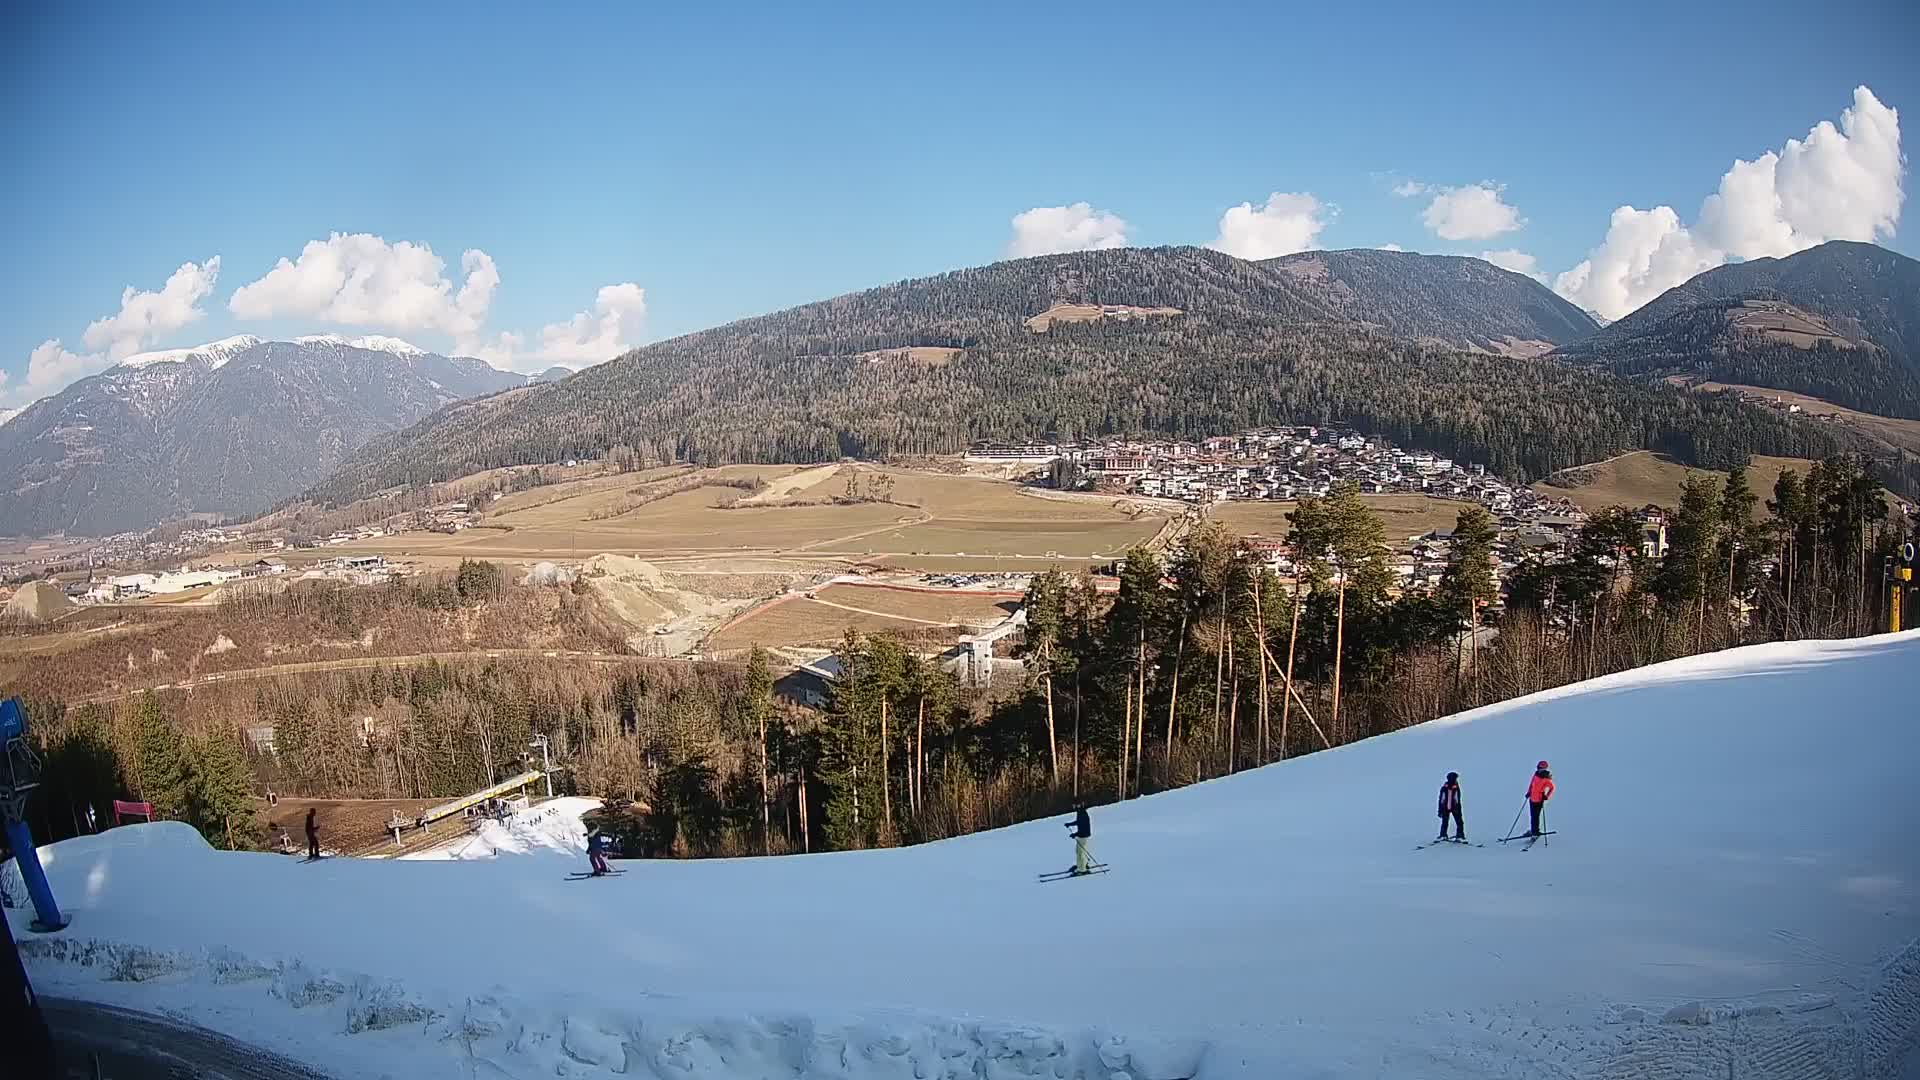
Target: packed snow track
1733, 890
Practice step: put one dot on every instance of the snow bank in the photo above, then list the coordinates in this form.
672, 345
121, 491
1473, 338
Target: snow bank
551, 827
1733, 890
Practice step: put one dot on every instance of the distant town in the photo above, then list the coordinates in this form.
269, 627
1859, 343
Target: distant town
1289, 463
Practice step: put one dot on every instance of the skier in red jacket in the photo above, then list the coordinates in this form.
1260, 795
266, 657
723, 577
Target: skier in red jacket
1539, 790
1450, 806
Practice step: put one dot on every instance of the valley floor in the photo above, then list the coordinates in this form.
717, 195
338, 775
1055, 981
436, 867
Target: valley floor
1732, 890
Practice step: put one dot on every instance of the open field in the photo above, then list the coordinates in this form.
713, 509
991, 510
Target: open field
799, 621
1901, 434
1405, 516
1644, 477
942, 608
929, 515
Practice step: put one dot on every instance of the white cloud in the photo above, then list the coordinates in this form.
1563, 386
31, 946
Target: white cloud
1843, 183
1473, 212
1050, 230
1645, 253
1390, 247
1517, 261
362, 280
1407, 189
1840, 184
590, 337
1286, 223
145, 316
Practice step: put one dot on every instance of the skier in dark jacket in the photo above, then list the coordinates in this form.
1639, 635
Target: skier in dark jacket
1539, 790
597, 852
1450, 806
313, 835
1082, 829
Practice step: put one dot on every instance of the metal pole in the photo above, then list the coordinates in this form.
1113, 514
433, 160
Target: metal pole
546, 766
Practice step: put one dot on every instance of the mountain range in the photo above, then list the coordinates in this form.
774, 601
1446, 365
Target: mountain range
1442, 352
1840, 322
226, 428
1431, 351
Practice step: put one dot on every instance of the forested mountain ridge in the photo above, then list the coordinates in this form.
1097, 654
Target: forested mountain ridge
1252, 344
227, 428
1445, 299
1840, 322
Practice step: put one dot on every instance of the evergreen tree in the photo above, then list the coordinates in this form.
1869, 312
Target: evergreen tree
219, 795
162, 772
1041, 647
1469, 581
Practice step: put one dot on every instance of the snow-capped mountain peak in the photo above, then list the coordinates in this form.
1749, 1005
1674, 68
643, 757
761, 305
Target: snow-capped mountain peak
215, 353
370, 342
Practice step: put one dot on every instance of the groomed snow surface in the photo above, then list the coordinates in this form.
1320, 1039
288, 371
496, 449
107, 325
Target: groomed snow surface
553, 826
1734, 891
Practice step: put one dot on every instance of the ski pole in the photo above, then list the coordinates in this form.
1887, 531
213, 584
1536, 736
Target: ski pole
1516, 820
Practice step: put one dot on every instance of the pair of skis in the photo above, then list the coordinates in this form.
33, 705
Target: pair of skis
583, 876
1445, 840
1062, 875
1530, 838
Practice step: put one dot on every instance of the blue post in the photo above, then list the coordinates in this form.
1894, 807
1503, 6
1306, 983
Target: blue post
22, 775
29, 859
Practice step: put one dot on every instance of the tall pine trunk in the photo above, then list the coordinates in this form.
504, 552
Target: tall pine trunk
1260, 632
1339, 646
1173, 698
1126, 740
766, 808
1293, 637
1140, 727
886, 769
1053, 744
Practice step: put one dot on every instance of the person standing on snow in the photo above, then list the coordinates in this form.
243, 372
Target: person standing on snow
1450, 806
313, 835
1082, 829
597, 852
1539, 790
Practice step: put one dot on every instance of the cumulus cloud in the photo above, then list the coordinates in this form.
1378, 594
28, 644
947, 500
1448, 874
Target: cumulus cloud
1840, 183
1287, 222
1050, 230
588, 338
1472, 212
613, 328
1517, 261
145, 316
359, 279
1390, 247
1407, 189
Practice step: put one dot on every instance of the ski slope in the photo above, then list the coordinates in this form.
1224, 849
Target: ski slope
552, 826
1733, 890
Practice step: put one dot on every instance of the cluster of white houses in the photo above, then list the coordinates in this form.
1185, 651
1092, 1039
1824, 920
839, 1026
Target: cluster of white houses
353, 569
1290, 463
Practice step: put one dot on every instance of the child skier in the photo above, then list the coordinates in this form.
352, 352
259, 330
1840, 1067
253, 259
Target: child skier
1082, 829
313, 835
1539, 790
1450, 806
597, 852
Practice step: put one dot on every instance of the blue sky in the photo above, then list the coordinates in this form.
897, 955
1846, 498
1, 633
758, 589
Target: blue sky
728, 160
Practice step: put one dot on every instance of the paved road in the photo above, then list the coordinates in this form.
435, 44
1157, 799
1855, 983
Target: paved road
119, 1044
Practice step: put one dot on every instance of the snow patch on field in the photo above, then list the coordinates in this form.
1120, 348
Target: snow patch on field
1719, 900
